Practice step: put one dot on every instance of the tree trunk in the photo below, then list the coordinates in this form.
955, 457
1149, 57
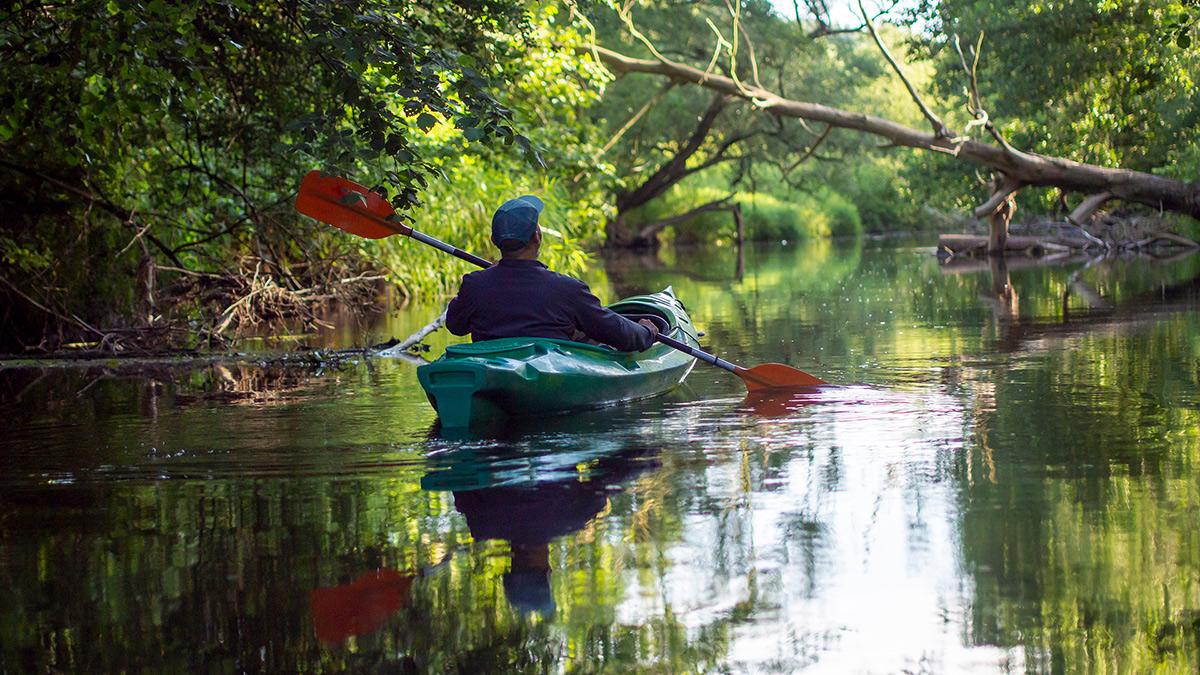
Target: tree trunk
999, 227
620, 234
1022, 168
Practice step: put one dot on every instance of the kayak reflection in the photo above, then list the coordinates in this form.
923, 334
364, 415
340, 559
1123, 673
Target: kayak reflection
581, 427
530, 501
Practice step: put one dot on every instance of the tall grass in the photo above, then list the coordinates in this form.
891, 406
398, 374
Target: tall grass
460, 213
818, 215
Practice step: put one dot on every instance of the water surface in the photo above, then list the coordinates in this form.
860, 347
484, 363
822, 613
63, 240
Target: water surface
1004, 479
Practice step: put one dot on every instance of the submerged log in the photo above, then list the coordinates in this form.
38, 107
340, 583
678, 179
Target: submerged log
967, 244
977, 244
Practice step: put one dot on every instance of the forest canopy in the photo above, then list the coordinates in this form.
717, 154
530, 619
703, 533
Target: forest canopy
150, 152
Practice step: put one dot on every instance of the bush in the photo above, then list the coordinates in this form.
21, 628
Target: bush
883, 198
844, 219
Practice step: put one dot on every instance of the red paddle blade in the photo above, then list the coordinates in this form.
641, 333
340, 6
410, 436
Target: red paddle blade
776, 376
347, 206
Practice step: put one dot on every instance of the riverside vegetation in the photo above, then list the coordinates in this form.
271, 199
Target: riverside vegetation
151, 151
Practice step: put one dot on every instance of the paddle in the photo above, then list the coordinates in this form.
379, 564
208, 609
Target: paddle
357, 210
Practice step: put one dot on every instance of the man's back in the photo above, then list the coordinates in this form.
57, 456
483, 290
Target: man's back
522, 298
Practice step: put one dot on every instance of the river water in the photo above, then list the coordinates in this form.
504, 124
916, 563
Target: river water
1004, 478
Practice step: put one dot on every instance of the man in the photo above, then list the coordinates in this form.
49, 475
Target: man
520, 297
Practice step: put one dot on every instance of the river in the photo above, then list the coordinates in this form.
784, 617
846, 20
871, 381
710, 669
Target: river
1004, 478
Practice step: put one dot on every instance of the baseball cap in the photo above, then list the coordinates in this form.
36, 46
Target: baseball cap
515, 221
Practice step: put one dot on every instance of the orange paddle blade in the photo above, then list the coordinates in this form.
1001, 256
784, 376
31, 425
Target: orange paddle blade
347, 206
775, 376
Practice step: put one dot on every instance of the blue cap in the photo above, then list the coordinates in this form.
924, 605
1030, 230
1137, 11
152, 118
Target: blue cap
515, 221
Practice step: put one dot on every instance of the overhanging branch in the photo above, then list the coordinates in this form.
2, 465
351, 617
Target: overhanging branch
1029, 168
651, 229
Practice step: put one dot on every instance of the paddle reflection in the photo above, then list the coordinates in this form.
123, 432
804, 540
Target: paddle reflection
361, 606
780, 402
365, 604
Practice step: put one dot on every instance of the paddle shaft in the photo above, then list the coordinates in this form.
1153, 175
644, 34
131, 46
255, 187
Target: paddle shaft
703, 356
452, 250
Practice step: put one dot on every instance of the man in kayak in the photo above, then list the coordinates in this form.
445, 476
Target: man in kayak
521, 297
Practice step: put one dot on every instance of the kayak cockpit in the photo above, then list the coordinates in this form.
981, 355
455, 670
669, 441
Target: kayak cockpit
536, 376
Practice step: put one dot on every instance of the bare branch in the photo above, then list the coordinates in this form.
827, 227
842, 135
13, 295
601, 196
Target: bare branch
811, 150
1087, 208
636, 116
739, 30
1005, 188
668, 174
939, 127
419, 335
657, 226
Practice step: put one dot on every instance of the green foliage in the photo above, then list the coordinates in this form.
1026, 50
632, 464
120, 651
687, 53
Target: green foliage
882, 196
821, 215
545, 87
844, 71
180, 131
765, 217
1110, 83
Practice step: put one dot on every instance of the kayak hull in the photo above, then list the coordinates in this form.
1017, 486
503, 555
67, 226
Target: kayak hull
521, 377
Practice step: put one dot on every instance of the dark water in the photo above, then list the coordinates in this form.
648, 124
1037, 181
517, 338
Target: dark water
1005, 479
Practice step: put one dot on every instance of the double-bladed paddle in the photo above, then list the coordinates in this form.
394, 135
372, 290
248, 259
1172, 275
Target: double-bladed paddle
359, 211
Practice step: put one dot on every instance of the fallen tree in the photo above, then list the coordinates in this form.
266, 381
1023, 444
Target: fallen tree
1017, 169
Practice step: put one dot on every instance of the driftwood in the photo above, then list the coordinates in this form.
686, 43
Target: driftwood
971, 244
403, 346
966, 244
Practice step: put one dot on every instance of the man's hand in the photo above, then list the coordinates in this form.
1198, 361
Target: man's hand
649, 324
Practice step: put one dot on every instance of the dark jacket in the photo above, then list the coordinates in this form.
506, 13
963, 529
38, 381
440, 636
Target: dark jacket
522, 298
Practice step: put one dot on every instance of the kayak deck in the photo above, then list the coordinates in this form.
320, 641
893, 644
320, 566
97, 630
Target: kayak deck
516, 377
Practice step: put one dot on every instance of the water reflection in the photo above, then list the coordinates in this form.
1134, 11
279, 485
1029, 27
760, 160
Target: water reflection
996, 486
359, 607
527, 502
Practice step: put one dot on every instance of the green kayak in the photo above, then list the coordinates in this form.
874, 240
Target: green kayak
517, 377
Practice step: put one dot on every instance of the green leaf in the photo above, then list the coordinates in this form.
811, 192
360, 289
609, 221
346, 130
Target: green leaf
426, 121
351, 198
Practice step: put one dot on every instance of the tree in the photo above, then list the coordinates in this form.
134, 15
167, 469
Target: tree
1020, 168
668, 135
1106, 83
1016, 168
180, 130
